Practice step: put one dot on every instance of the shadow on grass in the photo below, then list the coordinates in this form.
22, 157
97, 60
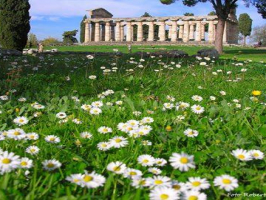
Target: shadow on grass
245, 51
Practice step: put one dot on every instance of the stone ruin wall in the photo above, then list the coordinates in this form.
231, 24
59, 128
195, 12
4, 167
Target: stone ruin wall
100, 27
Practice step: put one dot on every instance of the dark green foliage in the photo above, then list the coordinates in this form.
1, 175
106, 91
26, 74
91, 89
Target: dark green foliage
69, 37
82, 30
261, 5
188, 14
212, 13
245, 24
14, 23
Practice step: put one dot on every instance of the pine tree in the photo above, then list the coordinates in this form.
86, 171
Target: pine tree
82, 30
245, 25
14, 23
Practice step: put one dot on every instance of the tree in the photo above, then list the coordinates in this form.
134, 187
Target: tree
32, 40
212, 13
82, 29
259, 34
261, 5
50, 41
14, 23
69, 37
245, 25
222, 8
188, 14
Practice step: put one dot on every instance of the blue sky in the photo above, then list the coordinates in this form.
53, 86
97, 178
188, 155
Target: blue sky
53, 17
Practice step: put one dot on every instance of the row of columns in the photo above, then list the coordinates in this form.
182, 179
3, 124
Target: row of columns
116, 32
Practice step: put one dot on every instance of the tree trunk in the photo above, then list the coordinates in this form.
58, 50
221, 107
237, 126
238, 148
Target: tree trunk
245, 40
219, 35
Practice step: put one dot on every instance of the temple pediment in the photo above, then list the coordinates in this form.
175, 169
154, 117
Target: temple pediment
99, 13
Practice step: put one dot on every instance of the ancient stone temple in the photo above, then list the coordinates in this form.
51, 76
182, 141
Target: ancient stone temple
102, 27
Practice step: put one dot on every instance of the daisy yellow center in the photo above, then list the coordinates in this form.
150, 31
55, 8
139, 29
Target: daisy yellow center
158, 182
193, 198
142, 182
198, 108
164, 196
75, 180
196, 183
226, 181
104, 145
87, 178
52, 139
241, 156
116, 168
105, 130
32, 150
177, 187
255, 154
132, 173
23, 163
6, 161
145, 161
50, 165
21, 120
16, 133
190, 133
118, 140
184, 160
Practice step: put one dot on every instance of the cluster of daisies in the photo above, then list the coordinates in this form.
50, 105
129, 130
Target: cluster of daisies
245, 155
10, 162
163, 187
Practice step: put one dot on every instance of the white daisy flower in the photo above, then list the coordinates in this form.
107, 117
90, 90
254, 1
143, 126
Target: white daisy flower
182, 161
159, 181
61, 115
191, 133
104, 130
52, 139
197, 109
32, 136
21, 121
51, 165
26, 163
163, 193
194, 194
226, 182
92, 180
86, 107
86, 135
16, 134
256, 154
116, 167
197, 98
104, 146
242, 154
75, 178
146, 160
197, 183
118, 141
131, 173
97, 104
155, 170
95, 111
33, 150
147, 120
8, 162
139, 182
160, 162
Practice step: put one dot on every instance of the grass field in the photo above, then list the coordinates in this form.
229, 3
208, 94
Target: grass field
77, 128
240, 53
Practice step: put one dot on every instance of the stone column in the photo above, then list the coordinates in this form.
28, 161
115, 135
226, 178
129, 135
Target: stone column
107, 32
87, 32
140, 32
181, 32
97, 31
186, 31
112, 32
174, 31
214, 32
198, 31
103, 32
191, 32
162, 31
225, 33
118, 32
122, 32
92, 34
202, 32
151, 32
210, 32
129, 32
